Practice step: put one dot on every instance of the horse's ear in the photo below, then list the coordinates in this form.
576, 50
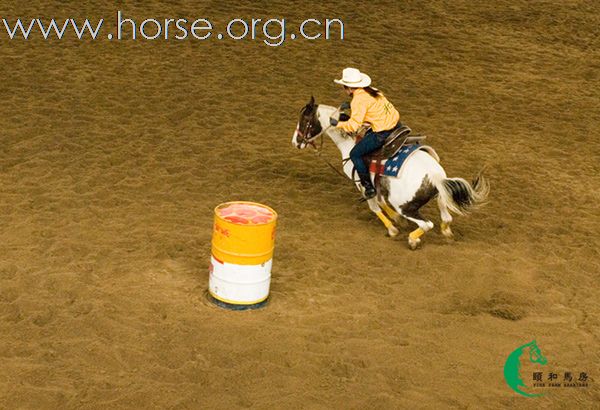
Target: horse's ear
312, 101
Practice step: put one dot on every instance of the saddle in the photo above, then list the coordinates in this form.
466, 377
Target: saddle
397, 140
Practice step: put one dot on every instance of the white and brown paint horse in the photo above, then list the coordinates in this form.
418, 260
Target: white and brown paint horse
421, 179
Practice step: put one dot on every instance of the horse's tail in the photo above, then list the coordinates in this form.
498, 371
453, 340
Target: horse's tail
460, 196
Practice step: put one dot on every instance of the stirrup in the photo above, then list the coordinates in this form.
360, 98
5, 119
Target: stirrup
372, 191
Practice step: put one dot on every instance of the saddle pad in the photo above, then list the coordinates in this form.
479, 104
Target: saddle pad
392, 165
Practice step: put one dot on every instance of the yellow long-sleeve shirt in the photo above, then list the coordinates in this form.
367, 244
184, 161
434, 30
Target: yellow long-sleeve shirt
377, 111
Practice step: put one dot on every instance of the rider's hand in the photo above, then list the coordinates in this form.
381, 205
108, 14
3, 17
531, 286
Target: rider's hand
345, 106
333, 122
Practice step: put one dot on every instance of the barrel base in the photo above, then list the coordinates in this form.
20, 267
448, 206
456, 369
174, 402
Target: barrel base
232, 306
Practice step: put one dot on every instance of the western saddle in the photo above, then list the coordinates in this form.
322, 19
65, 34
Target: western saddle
399, 138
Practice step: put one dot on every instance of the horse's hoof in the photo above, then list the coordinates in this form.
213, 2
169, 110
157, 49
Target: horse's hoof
448, 234
414, 243
393, 231
446, 231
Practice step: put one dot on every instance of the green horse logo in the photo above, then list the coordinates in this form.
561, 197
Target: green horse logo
513, 365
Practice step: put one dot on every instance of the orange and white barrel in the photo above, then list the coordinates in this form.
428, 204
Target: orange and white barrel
242, 254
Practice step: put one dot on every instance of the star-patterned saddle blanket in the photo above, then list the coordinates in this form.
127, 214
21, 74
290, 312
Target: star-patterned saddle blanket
391, 167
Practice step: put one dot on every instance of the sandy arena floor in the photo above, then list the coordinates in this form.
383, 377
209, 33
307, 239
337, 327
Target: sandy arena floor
114, 155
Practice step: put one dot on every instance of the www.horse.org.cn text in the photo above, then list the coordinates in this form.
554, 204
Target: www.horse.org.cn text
273, 32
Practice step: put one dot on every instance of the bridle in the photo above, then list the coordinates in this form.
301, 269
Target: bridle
307, 139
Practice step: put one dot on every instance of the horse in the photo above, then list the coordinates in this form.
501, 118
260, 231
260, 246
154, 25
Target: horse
513, 365
421, 179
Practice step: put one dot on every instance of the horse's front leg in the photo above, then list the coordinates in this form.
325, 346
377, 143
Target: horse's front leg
374, 206
391, 213
383, 201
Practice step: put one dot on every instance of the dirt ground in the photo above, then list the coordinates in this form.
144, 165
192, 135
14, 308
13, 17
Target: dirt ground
114, 154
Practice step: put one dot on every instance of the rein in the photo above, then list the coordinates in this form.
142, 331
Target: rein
318, 152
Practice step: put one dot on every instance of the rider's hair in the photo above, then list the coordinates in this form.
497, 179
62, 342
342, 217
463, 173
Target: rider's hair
373, 92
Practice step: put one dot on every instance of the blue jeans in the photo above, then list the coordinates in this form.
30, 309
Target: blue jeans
371, 141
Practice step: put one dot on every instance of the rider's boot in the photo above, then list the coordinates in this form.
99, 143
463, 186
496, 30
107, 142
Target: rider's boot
365, 180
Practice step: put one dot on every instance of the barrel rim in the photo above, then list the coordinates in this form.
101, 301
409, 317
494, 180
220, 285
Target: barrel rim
275, 216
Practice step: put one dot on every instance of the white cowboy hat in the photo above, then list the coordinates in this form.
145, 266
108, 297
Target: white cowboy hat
351, 77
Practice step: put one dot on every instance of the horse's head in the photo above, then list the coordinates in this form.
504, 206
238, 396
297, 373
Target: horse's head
309, 127
535, 354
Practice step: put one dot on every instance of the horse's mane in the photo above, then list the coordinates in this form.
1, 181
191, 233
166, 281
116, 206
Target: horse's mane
304, 110
341, 132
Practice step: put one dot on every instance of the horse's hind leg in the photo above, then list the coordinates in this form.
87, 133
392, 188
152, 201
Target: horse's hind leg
446, 219
410, 211
414, 238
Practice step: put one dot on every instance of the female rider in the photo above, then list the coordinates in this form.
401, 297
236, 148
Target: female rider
370, 106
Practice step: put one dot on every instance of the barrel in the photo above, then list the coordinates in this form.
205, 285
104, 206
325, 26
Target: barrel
242, 254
